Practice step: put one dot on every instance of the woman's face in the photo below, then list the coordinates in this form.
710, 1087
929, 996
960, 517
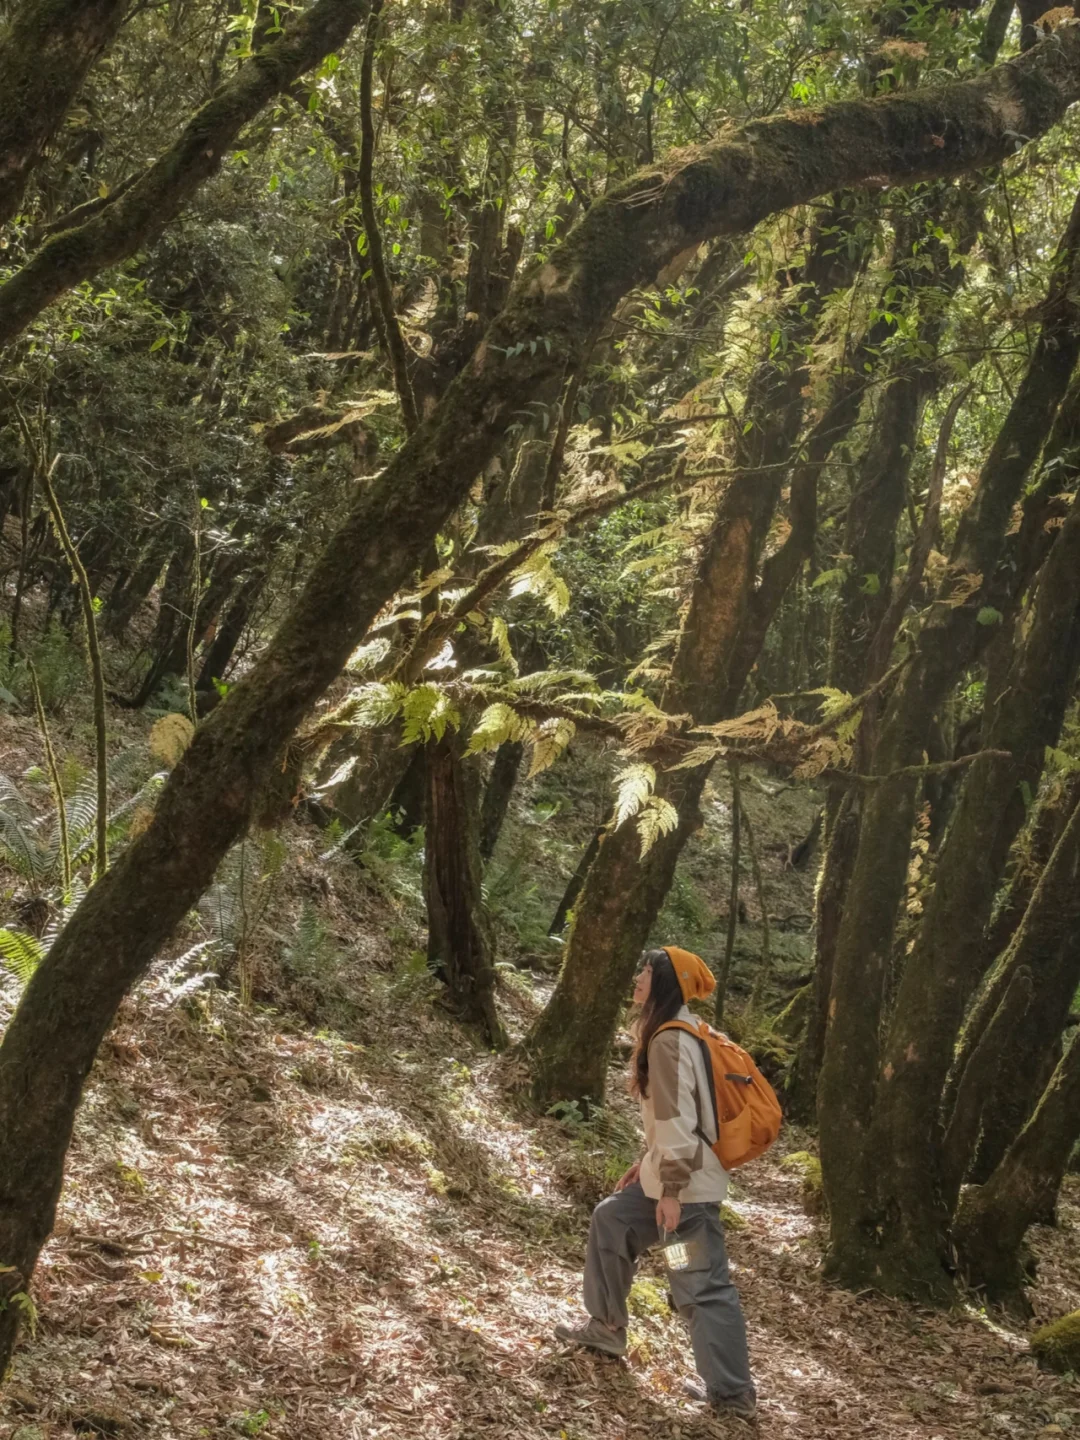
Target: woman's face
643, 986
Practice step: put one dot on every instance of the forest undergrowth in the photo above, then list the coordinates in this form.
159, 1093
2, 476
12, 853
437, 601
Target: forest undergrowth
331, 1214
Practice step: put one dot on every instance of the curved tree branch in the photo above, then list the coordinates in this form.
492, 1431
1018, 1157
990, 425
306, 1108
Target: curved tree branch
57, 39
139, 213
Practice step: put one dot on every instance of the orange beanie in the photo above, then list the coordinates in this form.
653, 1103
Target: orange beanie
695, 978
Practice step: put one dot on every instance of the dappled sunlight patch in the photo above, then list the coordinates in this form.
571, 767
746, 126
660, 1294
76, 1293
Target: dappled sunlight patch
342, 1238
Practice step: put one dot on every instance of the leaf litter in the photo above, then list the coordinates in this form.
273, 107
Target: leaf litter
364, 1233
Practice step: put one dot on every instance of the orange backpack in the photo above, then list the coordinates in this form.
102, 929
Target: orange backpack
745, 1106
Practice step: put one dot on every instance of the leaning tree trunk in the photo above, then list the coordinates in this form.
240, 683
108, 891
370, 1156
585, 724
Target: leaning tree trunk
568, 1047
625, 240
861, 633
982, 1069
718, 645
839, 860
127, 598
218, 655
944, 968
45, 53
576, 883
1053, 815
498, 792
459, 943
864, 946
1048, 942
994, 1218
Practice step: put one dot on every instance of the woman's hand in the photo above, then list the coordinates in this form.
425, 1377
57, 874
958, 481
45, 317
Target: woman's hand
630, 1178
668, 1213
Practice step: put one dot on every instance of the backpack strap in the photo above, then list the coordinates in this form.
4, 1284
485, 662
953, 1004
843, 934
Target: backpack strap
707, 1056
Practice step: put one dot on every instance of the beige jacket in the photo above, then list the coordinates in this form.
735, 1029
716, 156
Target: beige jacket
679, 1123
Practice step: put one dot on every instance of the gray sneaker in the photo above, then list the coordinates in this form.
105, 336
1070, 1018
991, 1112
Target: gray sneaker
593, 1336
743, 1407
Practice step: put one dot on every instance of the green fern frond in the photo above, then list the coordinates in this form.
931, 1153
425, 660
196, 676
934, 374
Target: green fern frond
833, 701
541, 680
23, 849
552, 738
657, 817
82, 812
537, 577
634, 786
21, 952
498, 724
427, 713
374, 705
500, 634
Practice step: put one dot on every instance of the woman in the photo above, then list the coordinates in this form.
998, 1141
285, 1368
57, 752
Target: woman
672, 1193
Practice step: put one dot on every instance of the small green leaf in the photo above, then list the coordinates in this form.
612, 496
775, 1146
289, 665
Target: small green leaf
989, 616
159, 342
827, 577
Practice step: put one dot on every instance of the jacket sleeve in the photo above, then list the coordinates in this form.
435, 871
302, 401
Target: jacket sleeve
677, 1149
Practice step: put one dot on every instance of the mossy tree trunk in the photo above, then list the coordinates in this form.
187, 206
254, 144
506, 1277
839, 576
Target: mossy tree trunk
945, 965
994, 1218
45, 53
833, 881
980, 1073
459, 941
218, 655
498, 792
569, 1046
719, 643
859, 647
864, 946
576, 883
1053, 814
627, 237
1047, 943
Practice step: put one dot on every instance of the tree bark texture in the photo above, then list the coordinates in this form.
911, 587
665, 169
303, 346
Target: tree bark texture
459, 946
1048, 942
828, 913
576, 883
977, 1083
1053, 814
881, 487
858, 647
943, 646
45, 52
625, 240
218, 655
944, 968
994, 1217
498, 793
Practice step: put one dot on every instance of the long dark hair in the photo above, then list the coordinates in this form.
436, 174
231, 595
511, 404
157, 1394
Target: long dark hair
664, 1003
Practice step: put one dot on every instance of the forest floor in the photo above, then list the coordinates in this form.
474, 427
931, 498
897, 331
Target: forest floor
330, 1215
360, 1232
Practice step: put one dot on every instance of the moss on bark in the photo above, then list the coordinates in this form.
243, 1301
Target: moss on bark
44, 57
866, 1221
994, 1218
1057, 1346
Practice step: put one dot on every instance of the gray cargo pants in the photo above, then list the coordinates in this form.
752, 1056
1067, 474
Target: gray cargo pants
623, 1227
